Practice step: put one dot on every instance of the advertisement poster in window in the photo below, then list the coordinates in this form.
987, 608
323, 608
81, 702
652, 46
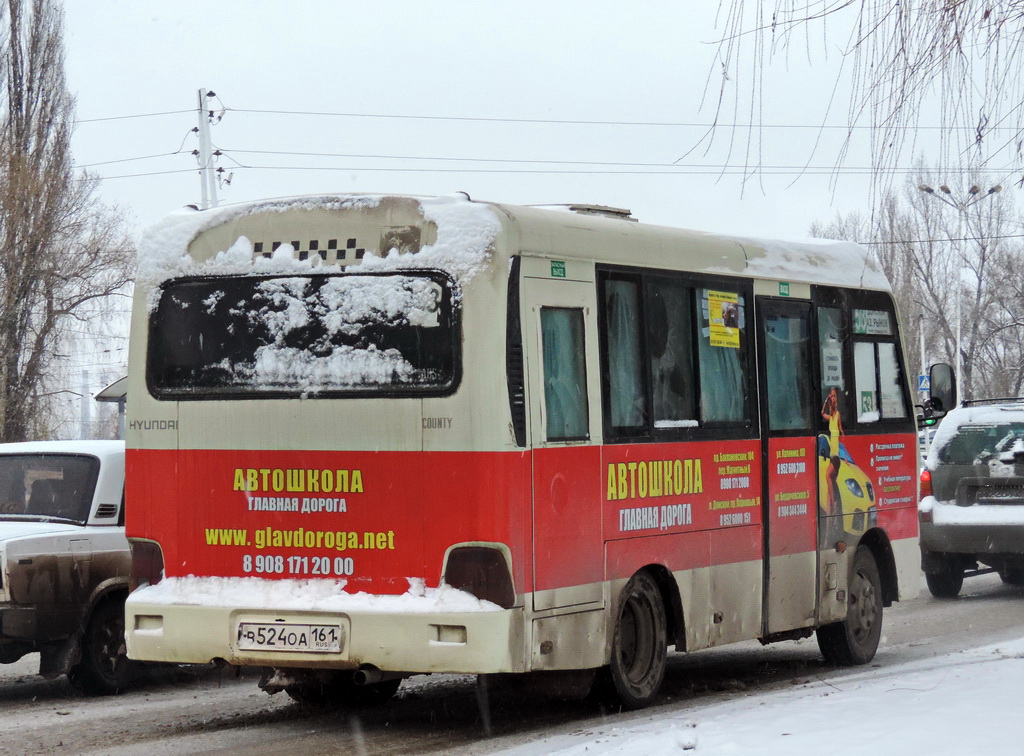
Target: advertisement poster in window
724, 312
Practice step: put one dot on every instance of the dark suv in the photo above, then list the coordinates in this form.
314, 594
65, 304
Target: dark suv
972, 496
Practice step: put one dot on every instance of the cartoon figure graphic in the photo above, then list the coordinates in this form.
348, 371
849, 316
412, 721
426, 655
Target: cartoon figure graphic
844, 488
830, 412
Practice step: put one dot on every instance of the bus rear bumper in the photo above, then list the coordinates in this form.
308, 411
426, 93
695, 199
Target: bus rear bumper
457, 642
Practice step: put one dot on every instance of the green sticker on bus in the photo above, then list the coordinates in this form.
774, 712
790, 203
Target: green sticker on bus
557, 269
783, 288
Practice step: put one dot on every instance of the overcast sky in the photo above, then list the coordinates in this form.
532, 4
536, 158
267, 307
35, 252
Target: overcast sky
433, 67
527, 102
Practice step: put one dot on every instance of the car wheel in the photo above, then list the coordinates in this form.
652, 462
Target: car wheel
640, 645
1012, 575
855, 639
338, 689
947, 582
104, 668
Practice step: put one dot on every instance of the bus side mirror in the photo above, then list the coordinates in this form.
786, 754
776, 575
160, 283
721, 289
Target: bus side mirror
942, 394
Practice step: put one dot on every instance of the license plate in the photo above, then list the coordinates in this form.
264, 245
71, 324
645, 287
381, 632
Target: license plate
286, 636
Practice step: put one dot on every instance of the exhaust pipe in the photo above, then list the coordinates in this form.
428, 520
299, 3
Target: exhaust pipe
367, 676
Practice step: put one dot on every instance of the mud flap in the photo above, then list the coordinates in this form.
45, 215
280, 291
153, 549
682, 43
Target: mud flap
57, 659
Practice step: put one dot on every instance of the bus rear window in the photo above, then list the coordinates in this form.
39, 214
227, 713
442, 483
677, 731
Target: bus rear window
349, 334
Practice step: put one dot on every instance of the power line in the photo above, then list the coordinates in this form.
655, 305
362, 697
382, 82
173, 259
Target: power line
129, 160
994, 237
126, 117
776, 169
136, 175
668, 170
583, 122
548, 121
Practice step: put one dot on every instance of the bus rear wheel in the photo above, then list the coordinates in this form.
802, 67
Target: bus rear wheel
855, 639
640, 645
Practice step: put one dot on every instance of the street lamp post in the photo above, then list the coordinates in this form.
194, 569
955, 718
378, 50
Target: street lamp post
974, 195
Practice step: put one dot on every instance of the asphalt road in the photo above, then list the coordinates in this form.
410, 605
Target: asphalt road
203, 710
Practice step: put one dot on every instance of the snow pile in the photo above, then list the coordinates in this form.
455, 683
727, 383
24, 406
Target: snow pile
953, 704
307, 595
344, 305
949, 513
465, 232
841, 263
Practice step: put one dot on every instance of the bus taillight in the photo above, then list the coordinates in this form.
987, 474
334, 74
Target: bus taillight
147, 564
481, 571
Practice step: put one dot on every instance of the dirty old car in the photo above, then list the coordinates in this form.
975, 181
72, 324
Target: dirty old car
972, 496
64, 560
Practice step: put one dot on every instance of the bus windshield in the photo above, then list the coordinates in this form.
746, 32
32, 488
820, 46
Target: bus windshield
306, 334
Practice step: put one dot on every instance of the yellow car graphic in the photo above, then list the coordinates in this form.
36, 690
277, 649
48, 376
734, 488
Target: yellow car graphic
853, 490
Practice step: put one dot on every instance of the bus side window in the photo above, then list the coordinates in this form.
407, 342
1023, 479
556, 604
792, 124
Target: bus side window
627, 398
787, 355
565, 374
670, 327
877, 376
830, 346
722, 353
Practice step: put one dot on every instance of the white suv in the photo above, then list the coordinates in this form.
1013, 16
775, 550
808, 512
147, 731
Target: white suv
64, 560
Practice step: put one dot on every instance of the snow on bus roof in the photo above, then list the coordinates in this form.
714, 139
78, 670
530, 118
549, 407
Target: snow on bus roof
833, 262
466, 231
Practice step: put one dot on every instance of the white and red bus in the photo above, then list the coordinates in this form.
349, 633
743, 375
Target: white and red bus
377, 436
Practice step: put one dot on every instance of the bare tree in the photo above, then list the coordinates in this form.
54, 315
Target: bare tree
950, 260
896, 56
60, 249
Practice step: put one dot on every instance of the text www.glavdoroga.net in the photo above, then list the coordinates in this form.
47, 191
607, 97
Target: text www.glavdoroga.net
301, 538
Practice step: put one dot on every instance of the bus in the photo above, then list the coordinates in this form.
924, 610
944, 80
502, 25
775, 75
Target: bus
377, 436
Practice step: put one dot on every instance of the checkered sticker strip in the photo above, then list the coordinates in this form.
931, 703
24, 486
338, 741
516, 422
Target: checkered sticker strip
330, 250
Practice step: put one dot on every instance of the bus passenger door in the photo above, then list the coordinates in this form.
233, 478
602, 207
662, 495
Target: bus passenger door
787, 389
560, 334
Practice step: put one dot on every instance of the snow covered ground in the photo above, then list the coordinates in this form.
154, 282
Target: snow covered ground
959, 703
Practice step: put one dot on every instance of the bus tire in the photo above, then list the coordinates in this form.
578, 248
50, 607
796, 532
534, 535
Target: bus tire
640, 644
104, 668
338, 689
855, 639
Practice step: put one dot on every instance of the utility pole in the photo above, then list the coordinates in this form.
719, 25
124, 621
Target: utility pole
974, 195
85, 416
207, 176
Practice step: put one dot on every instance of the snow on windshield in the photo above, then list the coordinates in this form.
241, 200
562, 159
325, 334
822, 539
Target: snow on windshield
993, 416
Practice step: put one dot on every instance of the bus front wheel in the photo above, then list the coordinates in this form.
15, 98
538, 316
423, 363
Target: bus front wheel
855, 639
640, 644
